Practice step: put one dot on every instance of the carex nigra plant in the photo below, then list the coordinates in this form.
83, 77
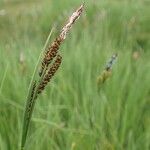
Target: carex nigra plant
49, 62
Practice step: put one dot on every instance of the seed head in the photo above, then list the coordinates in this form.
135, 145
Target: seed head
111, 62
54, 47
50, 73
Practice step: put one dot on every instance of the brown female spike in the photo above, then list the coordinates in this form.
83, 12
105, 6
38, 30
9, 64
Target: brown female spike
50, 73
54, 47
31, 100
50, 54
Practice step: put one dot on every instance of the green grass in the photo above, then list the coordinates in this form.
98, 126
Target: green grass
71, 114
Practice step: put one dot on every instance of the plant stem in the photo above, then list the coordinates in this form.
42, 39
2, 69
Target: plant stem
30, 99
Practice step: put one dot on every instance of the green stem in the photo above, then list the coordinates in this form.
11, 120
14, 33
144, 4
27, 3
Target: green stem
27, 117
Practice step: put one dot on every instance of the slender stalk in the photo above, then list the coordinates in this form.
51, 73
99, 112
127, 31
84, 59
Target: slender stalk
31, 97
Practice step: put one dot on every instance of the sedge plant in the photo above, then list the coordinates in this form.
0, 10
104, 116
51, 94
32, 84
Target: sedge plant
49, 62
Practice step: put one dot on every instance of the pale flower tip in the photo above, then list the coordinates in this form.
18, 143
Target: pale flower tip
80, 9
83, 4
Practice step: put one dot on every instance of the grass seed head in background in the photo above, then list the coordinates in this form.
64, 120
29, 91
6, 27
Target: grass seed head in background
47, 71
107, 71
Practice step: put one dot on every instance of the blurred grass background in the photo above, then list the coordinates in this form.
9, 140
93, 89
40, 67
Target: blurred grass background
71, 114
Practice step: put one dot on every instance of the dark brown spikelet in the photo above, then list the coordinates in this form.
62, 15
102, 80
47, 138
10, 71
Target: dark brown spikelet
50, 54
31, 100
52, 70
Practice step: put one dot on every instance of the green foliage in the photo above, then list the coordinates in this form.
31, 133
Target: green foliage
71, 114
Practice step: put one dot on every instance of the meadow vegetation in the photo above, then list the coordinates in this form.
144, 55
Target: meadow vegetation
72, 114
